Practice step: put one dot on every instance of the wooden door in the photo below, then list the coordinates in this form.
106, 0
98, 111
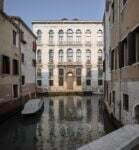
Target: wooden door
70, 81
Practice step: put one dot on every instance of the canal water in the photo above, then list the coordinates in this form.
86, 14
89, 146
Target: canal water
65, 123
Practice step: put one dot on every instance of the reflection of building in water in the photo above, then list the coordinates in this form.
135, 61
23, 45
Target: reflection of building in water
71, 120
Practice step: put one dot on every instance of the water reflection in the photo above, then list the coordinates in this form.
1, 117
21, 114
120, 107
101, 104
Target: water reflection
19, 133
69, 122
66, 123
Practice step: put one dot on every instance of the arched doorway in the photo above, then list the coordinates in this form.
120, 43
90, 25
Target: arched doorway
136, 110
70, 81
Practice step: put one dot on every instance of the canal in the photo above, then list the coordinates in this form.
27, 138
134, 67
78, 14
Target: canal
65, 123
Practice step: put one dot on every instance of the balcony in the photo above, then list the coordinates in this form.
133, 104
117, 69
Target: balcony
69, 43
70, 63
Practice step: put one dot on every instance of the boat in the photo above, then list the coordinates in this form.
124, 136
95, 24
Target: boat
32, 106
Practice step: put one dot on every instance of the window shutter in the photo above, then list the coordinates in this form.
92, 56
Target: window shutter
104, 66
121, 55
34, 46
131, 48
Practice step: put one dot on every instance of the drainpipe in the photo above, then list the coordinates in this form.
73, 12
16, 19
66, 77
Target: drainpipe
20, 73
120, 116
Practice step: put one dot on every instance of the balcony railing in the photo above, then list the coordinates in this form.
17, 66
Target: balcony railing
71, 43
70, 63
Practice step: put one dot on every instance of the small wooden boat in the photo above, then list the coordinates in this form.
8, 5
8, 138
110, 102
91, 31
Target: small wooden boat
32, 106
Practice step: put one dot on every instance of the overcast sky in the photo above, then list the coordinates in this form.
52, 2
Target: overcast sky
30, 10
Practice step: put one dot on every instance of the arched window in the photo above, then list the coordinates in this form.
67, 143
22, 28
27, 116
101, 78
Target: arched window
39, 35
88, 56
39, 56
78, 55
61, 36
69, 35
51, 36
99, 32
69, 55
78, 36
88, 35
99, 35
61, 56
99, 56
51, 55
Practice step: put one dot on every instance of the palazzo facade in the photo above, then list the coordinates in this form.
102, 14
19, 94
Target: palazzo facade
69, 55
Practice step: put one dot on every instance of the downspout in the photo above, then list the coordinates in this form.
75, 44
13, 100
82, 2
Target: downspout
120, 114
20, 73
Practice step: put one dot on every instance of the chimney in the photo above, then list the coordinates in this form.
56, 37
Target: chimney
1, 5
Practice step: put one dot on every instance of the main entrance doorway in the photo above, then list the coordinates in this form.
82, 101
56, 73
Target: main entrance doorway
70, 81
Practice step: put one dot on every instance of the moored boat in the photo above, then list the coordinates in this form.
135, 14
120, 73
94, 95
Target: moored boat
32, 106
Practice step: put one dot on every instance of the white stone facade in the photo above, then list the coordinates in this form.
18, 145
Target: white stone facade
69, 46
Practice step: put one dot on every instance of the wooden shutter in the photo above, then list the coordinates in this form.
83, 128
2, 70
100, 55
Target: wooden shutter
121, 54
131, 48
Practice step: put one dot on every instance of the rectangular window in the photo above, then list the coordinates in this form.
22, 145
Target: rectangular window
39, 82
50, 82
125, 102
61, 72
79, 82
33, 62
15, 91
78, 71
100, 82
113, 100
112, 60
124, 1
15, 67
100, 72
121, 55
23, 80
113, 97
14, 38
125, 57
137, 46
34, 46
22, 37
51, 70
88, 82
88, 72
61, 81
131, 48
22, 57
5, 65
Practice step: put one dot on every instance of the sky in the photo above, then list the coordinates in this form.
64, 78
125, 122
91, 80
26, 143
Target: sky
30, 10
